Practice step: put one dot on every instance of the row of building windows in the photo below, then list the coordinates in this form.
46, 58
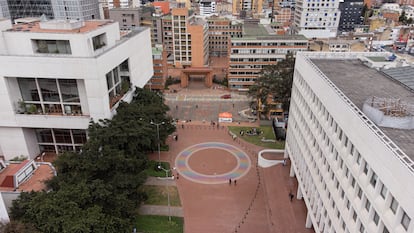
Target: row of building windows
321, 137
266, 44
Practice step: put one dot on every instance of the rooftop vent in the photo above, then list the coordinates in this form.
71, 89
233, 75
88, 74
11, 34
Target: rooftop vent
387, 112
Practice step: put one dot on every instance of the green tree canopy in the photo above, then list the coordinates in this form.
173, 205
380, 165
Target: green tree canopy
96, 190
275, 80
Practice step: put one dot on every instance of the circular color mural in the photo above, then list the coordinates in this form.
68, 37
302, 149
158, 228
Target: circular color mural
241, 169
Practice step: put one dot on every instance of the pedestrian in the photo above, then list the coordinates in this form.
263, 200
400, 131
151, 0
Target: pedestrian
229, 181
182, 126
176, 106
176, 137
196, 106
235, 182
178, 175
291, 196
233, 105
284, 162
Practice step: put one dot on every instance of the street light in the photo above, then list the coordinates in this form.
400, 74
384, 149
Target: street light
158, 136
168, 192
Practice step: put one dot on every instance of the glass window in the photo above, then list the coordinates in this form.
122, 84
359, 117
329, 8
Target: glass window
79, 136
124, 66
373, 179
367, 205
44, 135
358, 158
69, 90
109, 81
361, 228
49, 90
63, 136
359, 192
53, 46
405, 221
383, 191
394, 205
28, 89
376, 218
366, 168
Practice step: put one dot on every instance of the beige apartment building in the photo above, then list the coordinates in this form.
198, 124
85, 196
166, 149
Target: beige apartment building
252, 8
221, 30
255, 50
189, 39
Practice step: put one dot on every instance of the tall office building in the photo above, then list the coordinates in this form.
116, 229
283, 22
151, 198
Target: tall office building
57, 9
56, 76
76, 9
190, 39
351, 142
207, 7
351, 14
317, 18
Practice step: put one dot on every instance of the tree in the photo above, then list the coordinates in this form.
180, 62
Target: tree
97, 190
403, 17
275, 80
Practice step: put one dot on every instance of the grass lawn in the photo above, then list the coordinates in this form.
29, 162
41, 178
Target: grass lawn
159, 224
158, 195
267, 133
153, 171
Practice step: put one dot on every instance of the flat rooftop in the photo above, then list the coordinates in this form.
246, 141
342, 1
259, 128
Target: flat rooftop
36, 182
359, 82
35, 27
270, 37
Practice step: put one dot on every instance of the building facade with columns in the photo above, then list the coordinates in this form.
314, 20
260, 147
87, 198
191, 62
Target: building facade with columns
351, 142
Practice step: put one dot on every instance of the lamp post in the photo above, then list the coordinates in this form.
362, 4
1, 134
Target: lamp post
168, 192
158, 136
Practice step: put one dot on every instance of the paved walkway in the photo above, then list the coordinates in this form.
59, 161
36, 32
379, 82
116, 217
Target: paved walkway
161, 182
258, 203
161, 210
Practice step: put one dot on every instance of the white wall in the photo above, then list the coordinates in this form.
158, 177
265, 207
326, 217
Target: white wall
391, 172
90, 73
20, 43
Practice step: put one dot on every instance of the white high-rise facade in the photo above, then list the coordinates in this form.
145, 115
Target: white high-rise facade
351, 142
56, 76
317, 18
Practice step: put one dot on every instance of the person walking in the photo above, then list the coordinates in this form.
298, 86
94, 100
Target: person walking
229, 181
291, 196
235, 182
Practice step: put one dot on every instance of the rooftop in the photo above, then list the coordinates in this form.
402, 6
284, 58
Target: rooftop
35, 27
35, 182
271, 37
254, 30
341, 71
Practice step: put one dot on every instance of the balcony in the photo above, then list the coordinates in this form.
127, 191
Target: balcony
52, 121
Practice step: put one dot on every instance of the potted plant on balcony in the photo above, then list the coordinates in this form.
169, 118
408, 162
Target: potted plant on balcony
22, 106
32, 109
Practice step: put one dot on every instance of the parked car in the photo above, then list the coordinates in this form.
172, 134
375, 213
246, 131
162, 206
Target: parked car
226, 96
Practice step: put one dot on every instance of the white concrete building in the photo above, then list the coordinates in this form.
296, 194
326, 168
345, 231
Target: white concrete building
351, 142
314, 18
207, 7
56, 76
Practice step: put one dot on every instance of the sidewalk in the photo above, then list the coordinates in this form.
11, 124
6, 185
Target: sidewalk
161, 210
160, 182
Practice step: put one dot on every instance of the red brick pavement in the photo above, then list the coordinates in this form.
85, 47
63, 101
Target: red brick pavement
247, 207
